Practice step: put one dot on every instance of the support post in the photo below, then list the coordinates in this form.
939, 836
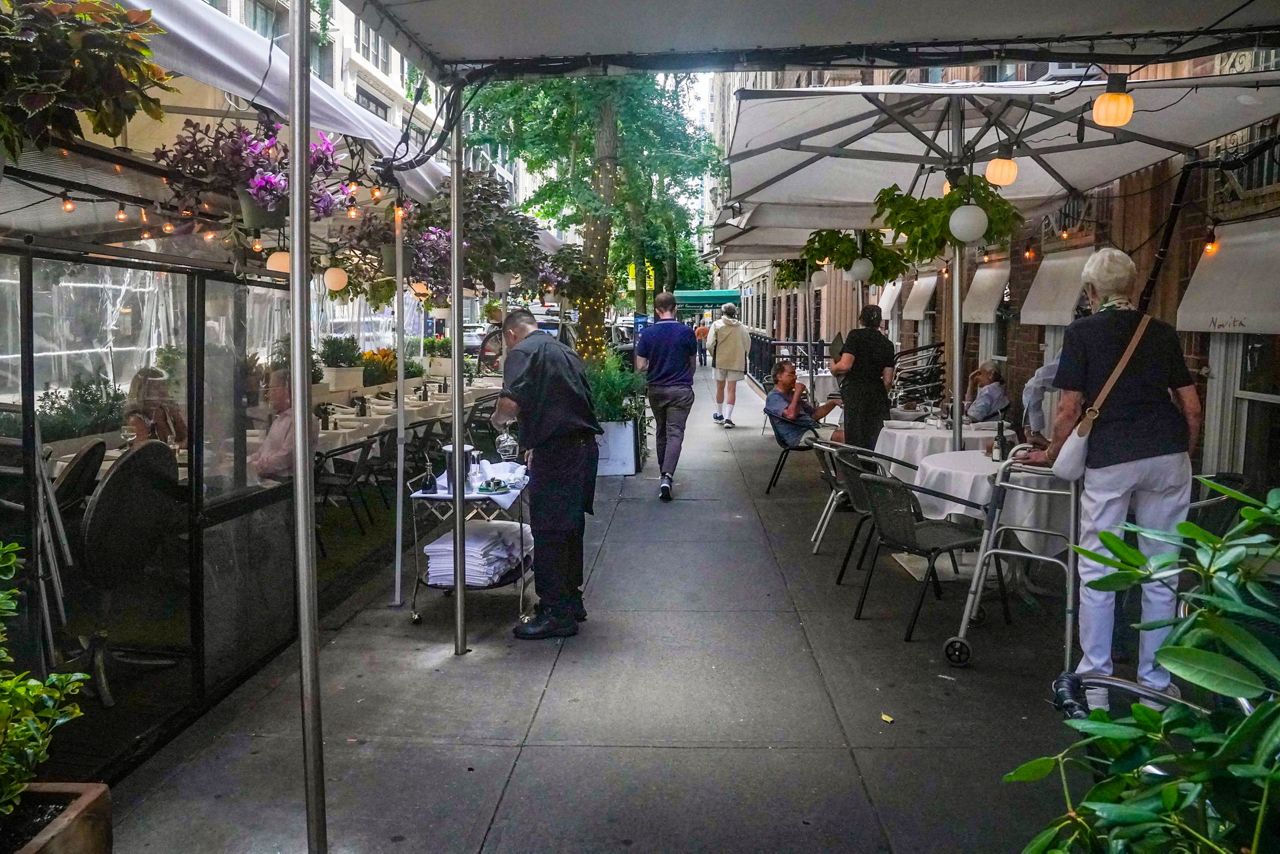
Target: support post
806, 305
397, 597
957, 274
457, 480
300, 370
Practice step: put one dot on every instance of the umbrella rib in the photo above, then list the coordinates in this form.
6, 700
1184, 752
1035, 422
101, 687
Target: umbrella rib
906, 125
937, 129
1068, 117
1020, 146
856, 154
782, 143
992, 118
1120, 133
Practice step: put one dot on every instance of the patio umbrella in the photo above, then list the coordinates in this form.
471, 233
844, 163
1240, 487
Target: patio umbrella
798, 154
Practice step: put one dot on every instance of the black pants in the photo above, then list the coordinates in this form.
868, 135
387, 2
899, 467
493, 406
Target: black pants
865, 411
702, 352
562, 485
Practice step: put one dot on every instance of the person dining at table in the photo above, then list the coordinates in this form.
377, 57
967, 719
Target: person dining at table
986, 397
796, 415
865, 369
274, 459
150, 410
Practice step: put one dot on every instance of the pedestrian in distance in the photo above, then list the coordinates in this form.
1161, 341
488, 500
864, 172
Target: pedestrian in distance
700, 332
666, 352
544, 387
727, 344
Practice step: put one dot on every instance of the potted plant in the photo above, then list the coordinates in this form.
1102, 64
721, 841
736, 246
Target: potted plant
439, 353
62, 59
343, 368
492, 310
1203, 778
862, 251
618, 401
281, 354
379, 366
925, 224
43, 817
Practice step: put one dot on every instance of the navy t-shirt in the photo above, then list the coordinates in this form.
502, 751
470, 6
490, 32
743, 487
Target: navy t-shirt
1139, 419
669, 346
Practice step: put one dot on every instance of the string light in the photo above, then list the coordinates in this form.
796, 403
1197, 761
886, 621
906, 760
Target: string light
167, 228
1029, 254
375, 193
256, 246
146, 234
121, 216
1064, 234
208, 236
68, 205
1114, 108
353, 212
1211, 244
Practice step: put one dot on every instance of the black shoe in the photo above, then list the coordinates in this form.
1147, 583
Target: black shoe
664, 488
579, 610
728, 424
546, 624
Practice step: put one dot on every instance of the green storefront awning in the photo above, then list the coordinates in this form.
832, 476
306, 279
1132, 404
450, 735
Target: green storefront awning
704, 299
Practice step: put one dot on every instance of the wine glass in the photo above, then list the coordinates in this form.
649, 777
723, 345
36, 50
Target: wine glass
128, 434
507, 446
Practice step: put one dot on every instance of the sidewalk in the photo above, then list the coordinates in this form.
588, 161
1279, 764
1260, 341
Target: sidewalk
720, 698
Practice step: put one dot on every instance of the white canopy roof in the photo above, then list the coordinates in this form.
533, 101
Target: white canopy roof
1055, 291
831, 149
920, 297
552, 36
889, 296
985, 293
1234, 289
202, 43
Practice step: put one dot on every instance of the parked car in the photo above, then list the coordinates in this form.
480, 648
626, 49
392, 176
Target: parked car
473, 336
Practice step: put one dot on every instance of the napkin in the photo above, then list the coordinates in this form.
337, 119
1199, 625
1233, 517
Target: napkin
904, 425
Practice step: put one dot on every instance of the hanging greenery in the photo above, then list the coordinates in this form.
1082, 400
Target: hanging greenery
61, 59
790, 273
924, 222
843, 248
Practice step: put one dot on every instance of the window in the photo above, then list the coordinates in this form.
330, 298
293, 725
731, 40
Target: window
417, 137
321, 59
370, 103
261, 18
373, 47
773, 320
793, 312
816, 328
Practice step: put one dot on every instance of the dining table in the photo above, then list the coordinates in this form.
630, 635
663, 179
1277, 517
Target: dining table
913, 441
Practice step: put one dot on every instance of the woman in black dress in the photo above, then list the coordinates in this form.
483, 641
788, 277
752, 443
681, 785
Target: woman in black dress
865, 368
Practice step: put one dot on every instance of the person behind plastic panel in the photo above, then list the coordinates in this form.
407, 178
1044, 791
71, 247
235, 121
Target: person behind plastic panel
1139, 455
274, 459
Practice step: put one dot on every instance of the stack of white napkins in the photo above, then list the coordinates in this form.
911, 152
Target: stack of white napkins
492, 549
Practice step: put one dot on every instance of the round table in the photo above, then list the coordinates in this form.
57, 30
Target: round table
969, 475
911, 445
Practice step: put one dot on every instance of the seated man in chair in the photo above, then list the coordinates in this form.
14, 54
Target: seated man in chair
786, 402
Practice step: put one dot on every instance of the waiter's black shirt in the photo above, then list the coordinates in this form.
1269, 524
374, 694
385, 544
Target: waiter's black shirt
548, 381
872, 352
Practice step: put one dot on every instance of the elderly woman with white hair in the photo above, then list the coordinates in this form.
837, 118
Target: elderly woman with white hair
1139, 454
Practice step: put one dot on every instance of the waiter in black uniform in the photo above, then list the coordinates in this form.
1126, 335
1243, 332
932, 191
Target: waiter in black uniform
544, 387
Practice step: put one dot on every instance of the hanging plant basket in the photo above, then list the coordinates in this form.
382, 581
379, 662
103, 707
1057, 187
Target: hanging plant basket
255, 215
389, 260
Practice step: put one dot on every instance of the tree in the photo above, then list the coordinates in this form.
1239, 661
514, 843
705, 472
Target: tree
617, 159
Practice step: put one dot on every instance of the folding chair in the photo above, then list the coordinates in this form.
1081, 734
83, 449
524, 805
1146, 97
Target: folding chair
774, 421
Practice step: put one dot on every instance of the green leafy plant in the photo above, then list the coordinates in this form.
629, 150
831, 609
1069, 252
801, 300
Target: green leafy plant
842, 248
470, 368
924, 223
413, 369
89, 406
281, 354
492, 309
340, 351
61, 59
789, 274
1182, 779
441, 348
616, 393
30, 710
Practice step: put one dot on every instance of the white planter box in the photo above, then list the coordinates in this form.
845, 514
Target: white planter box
440, 367
340, 379
617, 448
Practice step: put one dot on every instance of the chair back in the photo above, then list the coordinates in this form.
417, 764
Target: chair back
479, 428
893, 508
351, 470
848, 470
774, 421
130, 514
73, 486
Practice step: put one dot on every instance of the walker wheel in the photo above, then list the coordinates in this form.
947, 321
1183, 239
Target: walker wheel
957, 651
415, 618
978, 617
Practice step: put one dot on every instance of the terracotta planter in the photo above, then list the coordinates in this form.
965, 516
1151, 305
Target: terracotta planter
256, 216
84, 827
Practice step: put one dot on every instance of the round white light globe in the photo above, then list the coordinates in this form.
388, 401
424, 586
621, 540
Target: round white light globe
335, 278
862, 269
819, 279
278, 262
968, 223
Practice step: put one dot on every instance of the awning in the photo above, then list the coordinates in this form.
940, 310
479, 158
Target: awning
1234, 289
834, 148
985, 293
562, 36
1055, 291
889, 296
202, 43
690, 298
920, 298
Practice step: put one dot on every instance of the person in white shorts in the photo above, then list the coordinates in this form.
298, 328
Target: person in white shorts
727, 344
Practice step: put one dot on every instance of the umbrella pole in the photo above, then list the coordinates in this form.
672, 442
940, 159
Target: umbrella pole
805, 306
957, 274
457, 478
300, 394
398, 596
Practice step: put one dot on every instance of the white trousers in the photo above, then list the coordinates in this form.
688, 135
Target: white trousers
1159, 490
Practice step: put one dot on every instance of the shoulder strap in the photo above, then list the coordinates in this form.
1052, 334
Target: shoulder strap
1122, 364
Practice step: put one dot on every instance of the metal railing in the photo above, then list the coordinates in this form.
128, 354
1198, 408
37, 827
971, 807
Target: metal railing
765, 352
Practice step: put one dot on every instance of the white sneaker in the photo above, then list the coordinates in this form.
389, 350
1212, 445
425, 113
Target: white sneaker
1098, 698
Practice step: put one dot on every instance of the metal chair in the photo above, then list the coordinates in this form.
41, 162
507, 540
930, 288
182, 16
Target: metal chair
72, 488
774, 421
836, 491
901, 527
479, 430
335, 473
382, 466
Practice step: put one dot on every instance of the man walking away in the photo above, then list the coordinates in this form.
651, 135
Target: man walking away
700, 332
728, 343
544, 385
666, 351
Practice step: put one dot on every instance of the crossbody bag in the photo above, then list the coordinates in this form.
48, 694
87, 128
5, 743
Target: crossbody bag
1070, 462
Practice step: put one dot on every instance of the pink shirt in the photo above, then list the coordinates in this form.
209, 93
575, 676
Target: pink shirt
274, 459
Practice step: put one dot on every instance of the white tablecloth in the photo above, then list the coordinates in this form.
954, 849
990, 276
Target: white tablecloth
913, 445
969, 475
824, 385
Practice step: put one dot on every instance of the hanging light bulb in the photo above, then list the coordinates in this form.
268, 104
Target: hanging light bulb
1064, 234
208, 236
986, 257
1114, 108
68, 204
1029, 254
1003, 169
278, 262
353, 186
256, 246
375, 193
946, 187
353, 212
862, 269
121, 216
146, 234
335, 278
167, 228
1211, 244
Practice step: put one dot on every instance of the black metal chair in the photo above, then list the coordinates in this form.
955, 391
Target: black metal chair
479, 430
900, 526
336, 473
75, 484
803, 445
382, 463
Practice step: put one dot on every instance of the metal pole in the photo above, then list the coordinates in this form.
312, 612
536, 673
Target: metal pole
805, 306
957, 274
397, 597
300, 368
457, 479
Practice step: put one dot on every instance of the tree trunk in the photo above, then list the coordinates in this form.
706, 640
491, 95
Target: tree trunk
673, 270
635, 213
595, 244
